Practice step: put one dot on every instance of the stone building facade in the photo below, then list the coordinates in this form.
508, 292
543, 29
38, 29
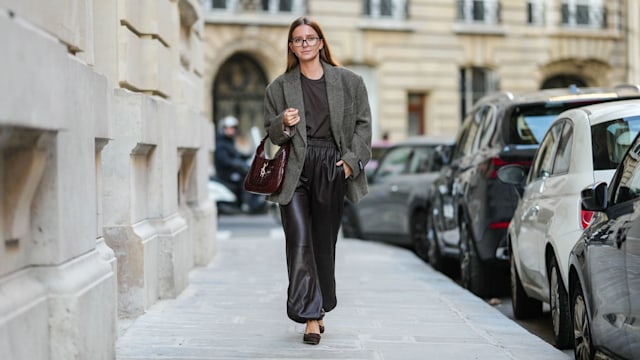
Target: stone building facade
424, 61
104, 156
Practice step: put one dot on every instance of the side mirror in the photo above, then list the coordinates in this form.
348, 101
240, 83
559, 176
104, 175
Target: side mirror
594, 197
512, 174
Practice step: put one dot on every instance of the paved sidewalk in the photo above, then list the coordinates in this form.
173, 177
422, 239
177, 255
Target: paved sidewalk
391, 305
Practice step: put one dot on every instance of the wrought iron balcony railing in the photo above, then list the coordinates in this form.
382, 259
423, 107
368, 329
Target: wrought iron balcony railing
479, 12
583, 15
256, 6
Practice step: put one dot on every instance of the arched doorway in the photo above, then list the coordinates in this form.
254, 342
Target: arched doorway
563, 81
238, 90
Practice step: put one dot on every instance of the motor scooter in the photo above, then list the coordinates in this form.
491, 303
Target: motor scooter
223, 194
230, 196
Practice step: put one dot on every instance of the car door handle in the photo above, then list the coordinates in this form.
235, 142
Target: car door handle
394, 188
621, 237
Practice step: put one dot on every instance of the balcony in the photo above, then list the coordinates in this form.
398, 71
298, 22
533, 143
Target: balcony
479, 17
257, 12
583, 16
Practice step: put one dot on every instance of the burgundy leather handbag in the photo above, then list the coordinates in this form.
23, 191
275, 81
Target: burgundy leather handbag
266, 175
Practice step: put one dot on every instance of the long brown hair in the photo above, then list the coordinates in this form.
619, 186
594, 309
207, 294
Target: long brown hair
325, 52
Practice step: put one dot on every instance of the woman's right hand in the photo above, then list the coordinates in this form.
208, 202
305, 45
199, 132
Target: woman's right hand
290, 117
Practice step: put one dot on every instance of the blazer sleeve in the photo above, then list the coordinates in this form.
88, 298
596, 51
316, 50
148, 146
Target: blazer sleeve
274, 107
359, 153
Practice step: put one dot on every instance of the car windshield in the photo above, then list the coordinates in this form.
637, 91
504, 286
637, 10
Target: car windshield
407, 160
610, 141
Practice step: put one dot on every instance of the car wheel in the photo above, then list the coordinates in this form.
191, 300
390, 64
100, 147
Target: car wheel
581, 328
419, 236
350, 226
524, 307
473, 274
559, 303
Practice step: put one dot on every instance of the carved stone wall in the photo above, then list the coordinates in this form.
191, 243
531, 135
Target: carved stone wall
104, 158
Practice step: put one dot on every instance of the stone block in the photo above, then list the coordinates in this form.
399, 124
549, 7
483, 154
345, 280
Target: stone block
105, 39
82, 309
24, 314
150, 17
146, 64
67, 20
136, 250
30, 89
175, 255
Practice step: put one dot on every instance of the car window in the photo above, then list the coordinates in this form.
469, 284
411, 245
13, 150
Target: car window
562, 159
394, 162
422, 160
487, 120
610, 140
465, 138
471, 143
543, 160
529, 124
628, 187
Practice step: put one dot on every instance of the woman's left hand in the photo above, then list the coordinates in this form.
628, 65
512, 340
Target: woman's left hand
347, 168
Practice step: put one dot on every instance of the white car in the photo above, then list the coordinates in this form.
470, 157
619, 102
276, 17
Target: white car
582, 146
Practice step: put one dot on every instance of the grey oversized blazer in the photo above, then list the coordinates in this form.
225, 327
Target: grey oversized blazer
350, 124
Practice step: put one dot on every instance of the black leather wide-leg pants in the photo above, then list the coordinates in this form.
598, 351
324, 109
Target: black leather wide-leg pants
311, 222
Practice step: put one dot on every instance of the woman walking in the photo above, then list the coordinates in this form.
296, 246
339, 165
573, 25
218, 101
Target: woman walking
322, 109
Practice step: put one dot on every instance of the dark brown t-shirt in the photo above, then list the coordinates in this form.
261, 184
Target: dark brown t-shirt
316, 107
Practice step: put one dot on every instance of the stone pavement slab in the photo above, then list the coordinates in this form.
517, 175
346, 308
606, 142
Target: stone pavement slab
391, 305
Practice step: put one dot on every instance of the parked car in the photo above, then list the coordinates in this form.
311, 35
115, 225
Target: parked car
394, 209
470, 208
604, 267
549, 218
378, 148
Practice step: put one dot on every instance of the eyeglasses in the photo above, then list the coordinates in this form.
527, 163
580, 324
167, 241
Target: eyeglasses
311, 41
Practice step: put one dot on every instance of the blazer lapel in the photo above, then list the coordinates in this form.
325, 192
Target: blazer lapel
335, 96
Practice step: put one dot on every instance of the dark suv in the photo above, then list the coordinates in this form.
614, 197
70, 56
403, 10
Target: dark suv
470, 208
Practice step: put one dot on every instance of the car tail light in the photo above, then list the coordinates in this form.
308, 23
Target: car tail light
585, 218
497, 162
499, 225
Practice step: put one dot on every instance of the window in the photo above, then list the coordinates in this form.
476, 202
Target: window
394, 162
529, 123
465, 138
396, 9
610, 140
416, 113
563, 153
487, 127
271, 6
479, 11
216, 4
543, 160
535, 12
475, 82
422, 160
583, 13
470, 139
628, 187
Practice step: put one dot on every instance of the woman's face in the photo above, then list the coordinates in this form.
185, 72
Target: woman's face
305, 43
